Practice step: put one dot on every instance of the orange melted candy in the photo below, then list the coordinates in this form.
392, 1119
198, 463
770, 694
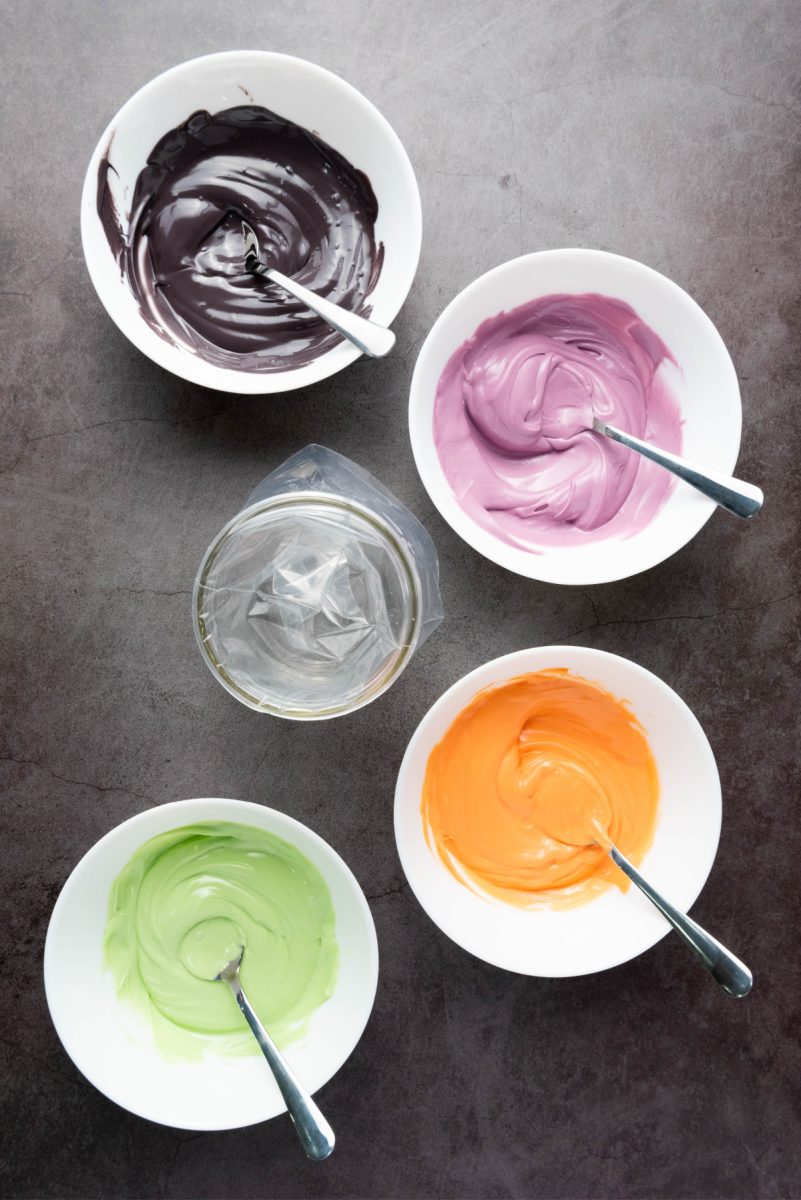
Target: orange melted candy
530, 777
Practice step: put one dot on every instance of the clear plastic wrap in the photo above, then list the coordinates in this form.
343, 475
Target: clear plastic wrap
311, 601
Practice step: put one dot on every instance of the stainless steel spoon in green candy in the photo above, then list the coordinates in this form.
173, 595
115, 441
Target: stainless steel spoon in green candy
197, 951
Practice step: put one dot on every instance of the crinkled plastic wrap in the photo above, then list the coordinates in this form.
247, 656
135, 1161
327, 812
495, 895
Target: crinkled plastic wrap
321, 470
313, 599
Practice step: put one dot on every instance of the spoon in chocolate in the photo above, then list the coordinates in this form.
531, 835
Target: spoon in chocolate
742, 499
727, 971
373, 340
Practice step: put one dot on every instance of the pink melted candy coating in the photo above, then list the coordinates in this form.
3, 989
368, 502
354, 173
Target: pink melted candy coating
511, 415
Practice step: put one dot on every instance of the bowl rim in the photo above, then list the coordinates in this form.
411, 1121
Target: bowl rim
178, 807
533, 565
515, 663
179, 361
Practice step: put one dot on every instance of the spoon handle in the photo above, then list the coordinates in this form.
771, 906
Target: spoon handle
316, 1135
742, 499
727, 971
373, 340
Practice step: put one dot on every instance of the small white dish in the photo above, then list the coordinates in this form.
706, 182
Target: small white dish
311, 97
705, 385
615, 926
116, 1052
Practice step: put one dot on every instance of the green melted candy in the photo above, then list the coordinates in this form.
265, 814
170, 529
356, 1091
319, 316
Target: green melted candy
182, 908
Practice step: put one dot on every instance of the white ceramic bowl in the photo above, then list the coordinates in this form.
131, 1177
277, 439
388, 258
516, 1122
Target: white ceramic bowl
95, 1027
615, 926
304, 93
705, 385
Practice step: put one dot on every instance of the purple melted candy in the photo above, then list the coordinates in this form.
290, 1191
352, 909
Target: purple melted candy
511, 419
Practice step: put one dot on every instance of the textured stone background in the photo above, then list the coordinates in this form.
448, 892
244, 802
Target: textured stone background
666, 131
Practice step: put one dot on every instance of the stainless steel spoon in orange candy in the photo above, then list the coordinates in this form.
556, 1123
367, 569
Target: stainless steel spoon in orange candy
728, 971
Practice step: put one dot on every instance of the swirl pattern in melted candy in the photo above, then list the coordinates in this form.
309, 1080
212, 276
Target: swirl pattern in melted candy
313, 213
527, 782
513, 415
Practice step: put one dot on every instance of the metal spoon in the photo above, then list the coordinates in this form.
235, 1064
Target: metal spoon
316, 1135
727, 971
742, 499
373, 340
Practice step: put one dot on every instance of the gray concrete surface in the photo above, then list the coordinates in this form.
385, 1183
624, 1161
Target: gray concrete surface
666, 131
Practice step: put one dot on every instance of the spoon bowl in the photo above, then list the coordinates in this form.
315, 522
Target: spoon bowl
209, 943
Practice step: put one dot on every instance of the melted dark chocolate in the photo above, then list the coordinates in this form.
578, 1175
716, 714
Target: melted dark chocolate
314, 215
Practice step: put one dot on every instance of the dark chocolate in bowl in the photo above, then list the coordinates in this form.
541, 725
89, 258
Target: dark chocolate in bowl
182, 254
